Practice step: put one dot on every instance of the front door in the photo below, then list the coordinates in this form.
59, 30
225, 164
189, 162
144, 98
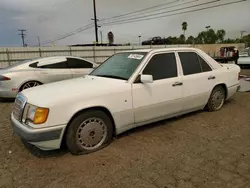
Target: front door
162, 97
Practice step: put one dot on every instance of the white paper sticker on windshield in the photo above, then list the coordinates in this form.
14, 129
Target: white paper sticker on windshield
135, 56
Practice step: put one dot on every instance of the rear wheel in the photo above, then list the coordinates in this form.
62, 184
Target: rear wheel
88, 132
30, 84
216, 99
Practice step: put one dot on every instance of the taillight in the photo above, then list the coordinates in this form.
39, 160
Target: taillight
4, 78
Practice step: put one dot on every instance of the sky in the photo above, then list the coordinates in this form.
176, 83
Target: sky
49, 19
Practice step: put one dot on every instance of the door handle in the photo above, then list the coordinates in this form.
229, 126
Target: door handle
211, 77
177, 84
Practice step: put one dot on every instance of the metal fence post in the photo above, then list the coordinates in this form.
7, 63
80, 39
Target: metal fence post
70, 50
94, 54
8, 56
40, 52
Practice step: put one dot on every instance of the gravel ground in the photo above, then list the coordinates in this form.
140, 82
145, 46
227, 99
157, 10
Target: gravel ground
197, 150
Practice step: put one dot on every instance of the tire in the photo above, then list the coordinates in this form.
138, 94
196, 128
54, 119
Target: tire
217, 99
29, 84
90, 131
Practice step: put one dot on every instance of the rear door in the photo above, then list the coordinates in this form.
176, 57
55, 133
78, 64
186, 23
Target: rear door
198, 80
54, 69
79, 67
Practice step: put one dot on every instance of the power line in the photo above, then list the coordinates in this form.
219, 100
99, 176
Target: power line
144, 11
141, 10
174, 10
138, 20
70, 34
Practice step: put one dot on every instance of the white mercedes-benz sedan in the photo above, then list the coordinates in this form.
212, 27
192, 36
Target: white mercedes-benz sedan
128, 90
34, 72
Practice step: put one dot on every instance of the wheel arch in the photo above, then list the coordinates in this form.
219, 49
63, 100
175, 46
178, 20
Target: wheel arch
224, 87
219, 84
101, 108
26, 81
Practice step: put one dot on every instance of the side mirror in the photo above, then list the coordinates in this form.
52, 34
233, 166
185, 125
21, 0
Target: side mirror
145, 78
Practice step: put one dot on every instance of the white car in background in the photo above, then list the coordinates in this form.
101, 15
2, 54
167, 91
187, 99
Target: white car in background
128, 90
35, 72
244, 58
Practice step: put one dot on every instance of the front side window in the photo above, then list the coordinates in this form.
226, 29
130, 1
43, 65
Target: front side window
74, 63
120, 65
162, 66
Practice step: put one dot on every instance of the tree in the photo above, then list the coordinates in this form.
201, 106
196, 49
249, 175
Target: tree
190, 40
200, 39
182, 39
211, 37
246, 39
221, 35
229, 41
184, 27
110, 38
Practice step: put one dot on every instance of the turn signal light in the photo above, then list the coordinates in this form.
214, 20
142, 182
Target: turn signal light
41, 115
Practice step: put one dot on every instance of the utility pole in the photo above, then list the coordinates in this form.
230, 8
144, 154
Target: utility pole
101, 36
241, 34
95, 19
207, 27
38, 39
139, 39
22, 35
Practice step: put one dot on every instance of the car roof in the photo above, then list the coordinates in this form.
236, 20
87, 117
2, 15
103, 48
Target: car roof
53, 57
163, 49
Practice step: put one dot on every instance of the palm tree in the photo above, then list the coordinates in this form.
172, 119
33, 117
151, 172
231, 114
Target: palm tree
111, 38
184, 27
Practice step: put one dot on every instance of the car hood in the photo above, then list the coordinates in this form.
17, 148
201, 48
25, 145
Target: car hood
79, 88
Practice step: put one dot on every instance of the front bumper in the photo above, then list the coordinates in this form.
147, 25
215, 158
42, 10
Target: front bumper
45, 138
7, 92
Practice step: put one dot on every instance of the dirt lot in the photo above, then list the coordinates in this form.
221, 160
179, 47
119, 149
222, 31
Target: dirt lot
198, 150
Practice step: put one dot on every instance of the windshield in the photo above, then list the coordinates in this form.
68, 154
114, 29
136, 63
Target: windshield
120, 66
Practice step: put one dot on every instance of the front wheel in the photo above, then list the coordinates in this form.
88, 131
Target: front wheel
217, 99
29, 84
88, 132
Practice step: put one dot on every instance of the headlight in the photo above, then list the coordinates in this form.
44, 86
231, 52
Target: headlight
37, 115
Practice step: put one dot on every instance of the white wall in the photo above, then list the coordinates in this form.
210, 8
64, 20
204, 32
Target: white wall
97, 54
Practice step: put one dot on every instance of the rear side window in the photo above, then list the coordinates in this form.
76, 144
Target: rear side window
78, 64
204, 66
162, 66
59, 65
192, 63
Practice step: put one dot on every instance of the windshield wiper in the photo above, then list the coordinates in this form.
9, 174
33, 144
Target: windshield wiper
111, 76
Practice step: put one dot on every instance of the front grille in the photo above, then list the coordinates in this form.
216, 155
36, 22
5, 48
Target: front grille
18, 107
